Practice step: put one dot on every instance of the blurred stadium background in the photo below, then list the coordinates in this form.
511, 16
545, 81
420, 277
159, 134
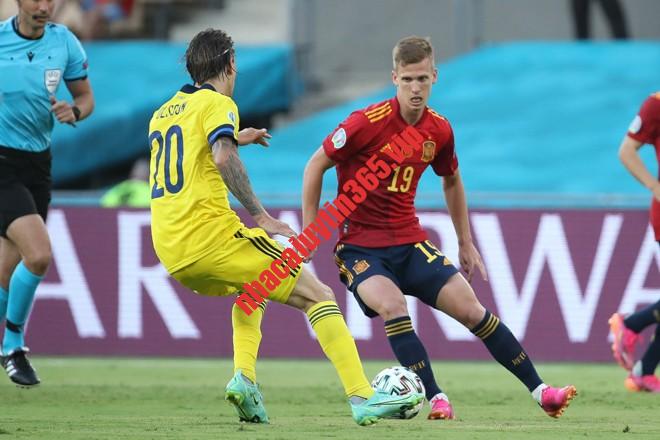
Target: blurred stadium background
538, 118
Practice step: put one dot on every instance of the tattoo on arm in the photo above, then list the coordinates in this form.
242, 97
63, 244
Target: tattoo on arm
235, 176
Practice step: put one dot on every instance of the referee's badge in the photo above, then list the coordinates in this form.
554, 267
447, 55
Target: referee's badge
52, 79
428, 151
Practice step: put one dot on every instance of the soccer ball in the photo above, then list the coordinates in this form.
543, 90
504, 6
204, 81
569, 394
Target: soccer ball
400, 381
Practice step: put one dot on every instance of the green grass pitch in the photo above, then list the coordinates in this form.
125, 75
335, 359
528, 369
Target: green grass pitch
146, 399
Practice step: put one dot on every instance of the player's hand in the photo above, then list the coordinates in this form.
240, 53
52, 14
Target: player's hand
254, 136
470, 259
273, 226
62, 110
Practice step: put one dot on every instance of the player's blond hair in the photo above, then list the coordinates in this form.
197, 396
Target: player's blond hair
411, 50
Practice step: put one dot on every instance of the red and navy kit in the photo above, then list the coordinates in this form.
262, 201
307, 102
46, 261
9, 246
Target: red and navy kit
383, 235
387, 216
645, 128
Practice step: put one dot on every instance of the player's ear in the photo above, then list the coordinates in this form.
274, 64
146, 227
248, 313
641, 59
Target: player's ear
394, 78
435, 75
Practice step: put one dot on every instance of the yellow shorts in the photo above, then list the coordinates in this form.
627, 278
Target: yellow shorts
241, 259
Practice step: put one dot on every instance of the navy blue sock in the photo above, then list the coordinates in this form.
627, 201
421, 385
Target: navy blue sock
506, 350
651, 356
410, 352
638, 321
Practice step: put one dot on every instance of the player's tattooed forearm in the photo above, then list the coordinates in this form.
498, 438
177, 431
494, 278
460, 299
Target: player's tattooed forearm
235, 176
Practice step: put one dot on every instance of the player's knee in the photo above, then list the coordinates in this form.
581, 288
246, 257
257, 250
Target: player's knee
322, 293
308, 292
37, 262
394, 308
472, 314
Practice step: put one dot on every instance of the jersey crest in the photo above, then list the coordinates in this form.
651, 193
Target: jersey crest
428, 151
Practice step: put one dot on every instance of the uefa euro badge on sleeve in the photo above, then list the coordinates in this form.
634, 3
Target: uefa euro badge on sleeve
52, 79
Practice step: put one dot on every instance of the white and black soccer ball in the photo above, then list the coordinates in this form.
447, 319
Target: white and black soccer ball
400, 381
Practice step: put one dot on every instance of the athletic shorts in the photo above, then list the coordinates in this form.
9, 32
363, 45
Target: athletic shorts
25, 185
241, 259
418, 269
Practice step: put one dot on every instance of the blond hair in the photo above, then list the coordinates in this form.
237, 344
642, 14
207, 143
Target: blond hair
411, 50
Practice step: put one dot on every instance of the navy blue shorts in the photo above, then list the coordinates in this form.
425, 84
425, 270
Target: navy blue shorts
418, 269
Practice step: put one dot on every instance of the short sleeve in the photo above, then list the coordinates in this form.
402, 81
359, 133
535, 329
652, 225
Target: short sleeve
445, 162
76, 67
644, 127
220, 119
349, 138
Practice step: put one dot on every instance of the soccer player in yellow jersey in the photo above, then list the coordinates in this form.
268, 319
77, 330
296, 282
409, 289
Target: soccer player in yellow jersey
201, 241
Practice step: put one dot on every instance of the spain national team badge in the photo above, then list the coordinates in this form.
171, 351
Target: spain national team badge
360, 267
428, 151
52, 80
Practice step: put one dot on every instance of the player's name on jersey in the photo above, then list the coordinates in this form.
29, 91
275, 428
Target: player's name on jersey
354, 191
171, 110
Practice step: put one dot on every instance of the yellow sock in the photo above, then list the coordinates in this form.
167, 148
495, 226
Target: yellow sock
247, 336
339, 346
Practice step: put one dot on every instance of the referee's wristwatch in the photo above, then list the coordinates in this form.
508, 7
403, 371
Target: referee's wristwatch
76, 112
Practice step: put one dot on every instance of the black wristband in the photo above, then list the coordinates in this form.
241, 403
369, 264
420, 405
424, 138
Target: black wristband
76, 112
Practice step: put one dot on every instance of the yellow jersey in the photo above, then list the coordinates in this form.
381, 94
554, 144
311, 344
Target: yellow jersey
190, 212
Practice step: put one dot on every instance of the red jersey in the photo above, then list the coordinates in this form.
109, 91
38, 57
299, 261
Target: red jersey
387, 216
645, 128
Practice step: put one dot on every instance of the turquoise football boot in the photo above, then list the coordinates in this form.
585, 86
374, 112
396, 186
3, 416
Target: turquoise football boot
383, 406
246, 398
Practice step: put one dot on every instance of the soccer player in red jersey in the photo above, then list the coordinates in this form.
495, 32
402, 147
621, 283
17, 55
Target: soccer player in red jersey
644, 129
383, 253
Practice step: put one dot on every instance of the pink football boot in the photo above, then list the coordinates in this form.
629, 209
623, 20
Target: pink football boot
623, 346
649, 383
440, 409
554, 401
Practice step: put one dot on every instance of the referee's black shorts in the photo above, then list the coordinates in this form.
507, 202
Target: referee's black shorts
25, 185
